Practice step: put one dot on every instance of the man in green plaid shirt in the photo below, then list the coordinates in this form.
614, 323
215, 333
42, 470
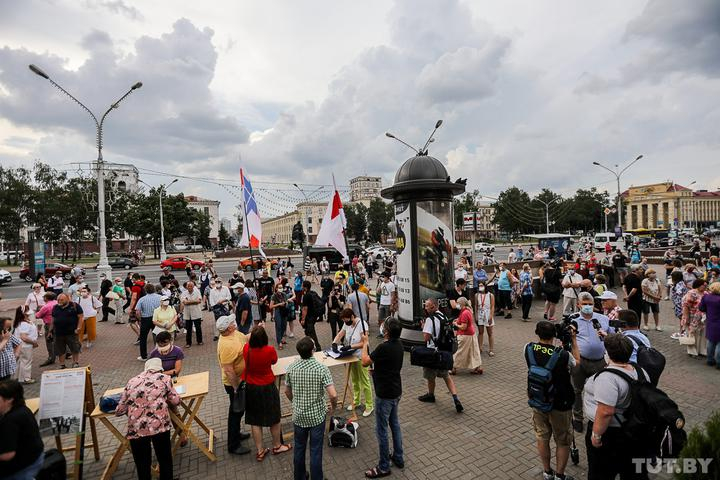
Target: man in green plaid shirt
306, 382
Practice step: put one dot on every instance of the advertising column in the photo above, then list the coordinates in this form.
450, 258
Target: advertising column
434, 249
403, 245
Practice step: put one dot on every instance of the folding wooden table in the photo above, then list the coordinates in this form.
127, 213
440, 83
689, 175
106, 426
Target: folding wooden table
196, 387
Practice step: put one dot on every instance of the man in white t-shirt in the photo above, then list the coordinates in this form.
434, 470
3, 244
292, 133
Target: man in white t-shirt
219, 295
460, 272
571, 289
431, 332
387, 298
192, 313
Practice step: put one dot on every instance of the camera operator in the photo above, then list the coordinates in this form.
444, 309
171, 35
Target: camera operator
592, 351
629, 323
558, 421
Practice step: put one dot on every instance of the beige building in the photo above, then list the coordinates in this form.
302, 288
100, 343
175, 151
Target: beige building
210, 208
364, 188
669, 205
278, 230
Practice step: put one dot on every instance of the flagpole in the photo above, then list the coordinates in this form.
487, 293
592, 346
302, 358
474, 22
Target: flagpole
247, 232
352, 272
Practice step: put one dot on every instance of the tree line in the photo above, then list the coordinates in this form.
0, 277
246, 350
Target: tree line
63, 210
516, 212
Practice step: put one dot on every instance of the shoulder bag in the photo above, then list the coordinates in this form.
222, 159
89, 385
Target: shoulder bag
238, 400
431, 357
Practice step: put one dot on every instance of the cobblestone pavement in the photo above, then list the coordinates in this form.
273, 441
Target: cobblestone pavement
493, 438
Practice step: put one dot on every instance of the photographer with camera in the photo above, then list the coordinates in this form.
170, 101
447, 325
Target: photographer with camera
592, 351
551, 395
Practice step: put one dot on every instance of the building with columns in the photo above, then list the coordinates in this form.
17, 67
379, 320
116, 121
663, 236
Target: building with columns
669, 205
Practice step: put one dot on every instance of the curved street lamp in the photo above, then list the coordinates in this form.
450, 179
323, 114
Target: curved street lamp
618, 173
103, 266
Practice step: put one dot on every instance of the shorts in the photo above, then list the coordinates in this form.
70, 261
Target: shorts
66, 341
432, 373
132, 317
650, 307
555, 423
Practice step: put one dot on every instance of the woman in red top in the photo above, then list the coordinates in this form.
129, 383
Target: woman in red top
468, 352
262, 399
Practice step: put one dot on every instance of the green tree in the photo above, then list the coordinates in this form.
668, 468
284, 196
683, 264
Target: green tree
379, 215
538, 208
467, 202
356, 215
224, 238
587, 210
512, 214
16, 201
197, 227
49, 203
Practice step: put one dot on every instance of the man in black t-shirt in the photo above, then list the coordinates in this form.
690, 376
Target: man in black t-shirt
166, 276
558, 421
67, 324
619, 262
309, 315
632, 286
453, 295
20, 439
265, 291
387, 359
326, 286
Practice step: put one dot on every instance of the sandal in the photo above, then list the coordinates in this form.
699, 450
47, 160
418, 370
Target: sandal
477, 371
492, 354
375, 472
260, 456
286, 447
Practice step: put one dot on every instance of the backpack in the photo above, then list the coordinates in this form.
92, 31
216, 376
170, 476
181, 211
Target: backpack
318, 306
650, 360
342, 433
653, 421
540, 388
445, 340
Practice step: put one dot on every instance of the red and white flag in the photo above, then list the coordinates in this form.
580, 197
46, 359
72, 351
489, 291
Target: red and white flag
332, 229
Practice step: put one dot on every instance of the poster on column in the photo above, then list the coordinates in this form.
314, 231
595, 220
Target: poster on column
435, 249
62, 394
404, 276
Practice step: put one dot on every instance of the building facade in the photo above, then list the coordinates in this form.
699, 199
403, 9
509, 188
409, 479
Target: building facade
227, 224
669, 205
122, 176
278, 230
211, 208
365, 188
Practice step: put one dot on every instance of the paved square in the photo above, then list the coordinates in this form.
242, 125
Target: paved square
493, 438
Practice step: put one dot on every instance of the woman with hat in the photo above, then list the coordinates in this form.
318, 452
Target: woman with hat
146, 401
164, 317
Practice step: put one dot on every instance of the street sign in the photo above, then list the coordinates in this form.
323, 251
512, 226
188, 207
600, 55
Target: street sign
607, 211
469, 221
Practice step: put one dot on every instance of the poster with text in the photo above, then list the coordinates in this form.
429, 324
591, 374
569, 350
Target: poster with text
404, 277
435, 249
62, 394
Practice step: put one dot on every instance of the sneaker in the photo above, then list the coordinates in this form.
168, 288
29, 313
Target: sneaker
350, 408
458, 406
427, 398
29, 381
292, 335
366, 413
646, 328
564, 477
76, 365
658, 329
666, 298
88, 344
141, 359
675, 335
548, 476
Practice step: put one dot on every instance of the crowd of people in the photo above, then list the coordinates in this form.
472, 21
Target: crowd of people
247, 312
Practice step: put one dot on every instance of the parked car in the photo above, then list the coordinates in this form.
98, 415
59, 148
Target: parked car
260, 263
178, 263
50, 270
5, 277
379, 252
121, 262
484, 247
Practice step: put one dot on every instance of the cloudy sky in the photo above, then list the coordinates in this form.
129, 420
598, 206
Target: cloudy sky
531, 92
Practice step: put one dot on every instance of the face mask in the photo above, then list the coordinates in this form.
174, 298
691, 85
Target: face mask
165, 303
571, 272
348, 322
218, 286
586, 309
166, 349
481, 289
502, 268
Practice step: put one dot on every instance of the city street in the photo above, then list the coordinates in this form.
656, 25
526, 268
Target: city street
495, 427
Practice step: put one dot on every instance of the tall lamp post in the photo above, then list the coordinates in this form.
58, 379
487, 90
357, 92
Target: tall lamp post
547, 213
618, 173
162, 188
103, 266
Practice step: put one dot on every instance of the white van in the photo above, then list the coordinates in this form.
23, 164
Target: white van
602, 238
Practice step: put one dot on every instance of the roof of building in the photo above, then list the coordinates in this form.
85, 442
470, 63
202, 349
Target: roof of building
196, 199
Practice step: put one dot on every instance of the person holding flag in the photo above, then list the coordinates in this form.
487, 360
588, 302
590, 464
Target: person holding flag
252, 226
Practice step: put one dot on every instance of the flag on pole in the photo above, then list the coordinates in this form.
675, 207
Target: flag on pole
252, 227
332, 229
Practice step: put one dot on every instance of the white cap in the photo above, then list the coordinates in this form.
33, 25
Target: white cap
154, 364
224, 322
608, 295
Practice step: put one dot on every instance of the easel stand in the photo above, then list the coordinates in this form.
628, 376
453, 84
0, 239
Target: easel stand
80, 445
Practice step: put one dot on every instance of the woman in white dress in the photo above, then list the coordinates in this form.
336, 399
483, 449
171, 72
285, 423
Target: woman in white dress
485, 316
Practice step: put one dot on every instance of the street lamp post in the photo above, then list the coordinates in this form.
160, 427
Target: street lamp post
618, 174
103, 266
161, 189
547, 213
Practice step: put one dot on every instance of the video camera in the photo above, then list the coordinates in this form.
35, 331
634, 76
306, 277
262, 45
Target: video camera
618, 324
563, 330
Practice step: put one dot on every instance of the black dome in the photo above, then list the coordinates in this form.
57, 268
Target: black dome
421, 167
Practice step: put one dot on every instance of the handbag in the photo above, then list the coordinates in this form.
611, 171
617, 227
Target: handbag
238, 399
431, 357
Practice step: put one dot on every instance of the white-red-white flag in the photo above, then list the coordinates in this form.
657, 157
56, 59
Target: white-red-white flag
332, 229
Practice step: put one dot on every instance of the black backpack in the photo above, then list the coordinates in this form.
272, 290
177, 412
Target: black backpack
650, 360
317, 305
445, 340
540, 389
653, 421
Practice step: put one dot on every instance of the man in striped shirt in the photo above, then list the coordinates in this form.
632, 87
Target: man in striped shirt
306, 383
145, 308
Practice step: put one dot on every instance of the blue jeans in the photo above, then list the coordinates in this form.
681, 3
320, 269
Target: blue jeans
386, 413
29, 472
713, 353
280, 324
315, 434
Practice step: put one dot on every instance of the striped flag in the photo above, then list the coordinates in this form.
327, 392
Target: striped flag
252, 227
332, 229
